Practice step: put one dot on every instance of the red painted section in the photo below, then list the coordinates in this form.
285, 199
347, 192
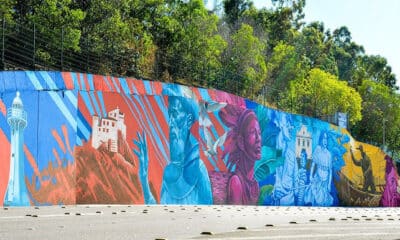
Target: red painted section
3, 108
31, 160
86, 80
5, 165
78, 77
139, 85
68, 81
99, 84
67, 142
59, 141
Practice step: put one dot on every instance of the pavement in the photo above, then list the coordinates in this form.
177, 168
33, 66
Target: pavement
226, 222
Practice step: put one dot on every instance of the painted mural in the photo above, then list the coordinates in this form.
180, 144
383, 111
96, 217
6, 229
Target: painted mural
70, 138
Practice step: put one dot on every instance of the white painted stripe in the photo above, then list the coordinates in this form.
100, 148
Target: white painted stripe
72, 98
49, 81
64, 110
34, 80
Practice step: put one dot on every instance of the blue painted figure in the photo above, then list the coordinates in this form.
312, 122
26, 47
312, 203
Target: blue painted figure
318, 194
185, 178
286, 175
301, 178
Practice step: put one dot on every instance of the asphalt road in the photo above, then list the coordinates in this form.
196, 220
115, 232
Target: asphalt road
198, 222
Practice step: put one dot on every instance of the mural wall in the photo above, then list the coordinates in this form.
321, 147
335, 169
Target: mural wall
70, 138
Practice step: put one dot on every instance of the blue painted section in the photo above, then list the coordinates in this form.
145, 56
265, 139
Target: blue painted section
91, 82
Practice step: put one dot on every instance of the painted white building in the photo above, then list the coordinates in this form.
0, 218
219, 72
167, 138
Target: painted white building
303, 141
105, 130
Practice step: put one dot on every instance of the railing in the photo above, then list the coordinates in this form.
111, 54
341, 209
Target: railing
23, 47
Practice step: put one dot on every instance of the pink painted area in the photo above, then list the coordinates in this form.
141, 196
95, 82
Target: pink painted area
5, 165
3, 109
390, 196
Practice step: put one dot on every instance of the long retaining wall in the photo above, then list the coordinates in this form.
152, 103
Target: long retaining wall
71, 138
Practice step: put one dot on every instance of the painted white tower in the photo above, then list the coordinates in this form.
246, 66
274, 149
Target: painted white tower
105, 130
303, 141
17, 194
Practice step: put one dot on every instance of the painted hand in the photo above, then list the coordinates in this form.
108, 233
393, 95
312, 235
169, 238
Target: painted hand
142, 155
278, 194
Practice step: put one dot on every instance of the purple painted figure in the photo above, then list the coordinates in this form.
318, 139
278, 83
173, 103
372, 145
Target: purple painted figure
243, 148
390, 196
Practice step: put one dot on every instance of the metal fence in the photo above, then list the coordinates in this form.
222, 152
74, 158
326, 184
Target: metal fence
23, 47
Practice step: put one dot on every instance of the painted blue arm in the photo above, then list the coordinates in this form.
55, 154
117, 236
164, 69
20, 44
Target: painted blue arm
143, 157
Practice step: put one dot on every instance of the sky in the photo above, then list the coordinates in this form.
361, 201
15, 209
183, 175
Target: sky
372, 23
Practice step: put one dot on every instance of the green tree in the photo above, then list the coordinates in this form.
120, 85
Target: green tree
347, 53
376, 68
234, 10
196, 52
118, 37
321, 94
58, 22
244, 64
316, 46
6, 10
381, 115
284, 65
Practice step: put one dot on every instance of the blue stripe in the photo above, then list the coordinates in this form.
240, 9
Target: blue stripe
106, 81
90, 80
147, 86
83, 129
79, 135
48, 80
164, 110
135, 91
64, 110
103, 108
82, 81
74, 77
93, 97
115, 85
34, 80
72, 98
204, 94
88, 104
124, 86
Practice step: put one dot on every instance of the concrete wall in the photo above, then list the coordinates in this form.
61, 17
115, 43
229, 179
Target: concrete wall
165, 143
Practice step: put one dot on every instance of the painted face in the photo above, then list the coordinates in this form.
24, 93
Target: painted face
178, 129
252, 139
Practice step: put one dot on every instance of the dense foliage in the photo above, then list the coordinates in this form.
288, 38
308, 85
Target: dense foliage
269, 55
